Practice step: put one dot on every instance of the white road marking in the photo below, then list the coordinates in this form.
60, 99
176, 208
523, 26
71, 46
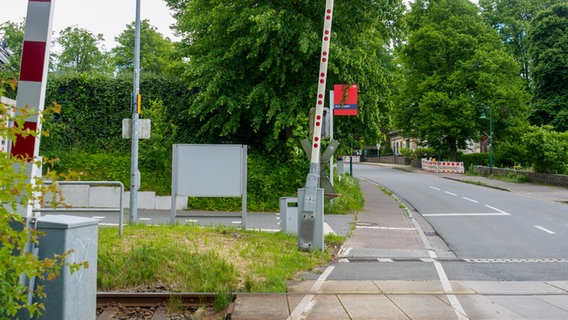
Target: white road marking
305, 306
145, 219
190, 220
108, 224
385, 260
235, 222
450, 193
454, 302
431, 187
545, 230
98, 217
466, 214
468, 199
344, 252
498, 210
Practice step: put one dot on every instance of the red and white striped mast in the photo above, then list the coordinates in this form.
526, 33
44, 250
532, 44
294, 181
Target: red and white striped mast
32, 84
309, 203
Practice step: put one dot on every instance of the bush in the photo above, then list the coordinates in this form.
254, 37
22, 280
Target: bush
474, 159
547, 149
508, 155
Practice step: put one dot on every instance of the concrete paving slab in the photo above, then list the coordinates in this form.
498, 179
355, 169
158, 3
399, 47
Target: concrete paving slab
481, 308
325, 307
426, 287
371, 307
260, 307
560, 301
530, 307
559, 284
425, 307
513, 287
361, 286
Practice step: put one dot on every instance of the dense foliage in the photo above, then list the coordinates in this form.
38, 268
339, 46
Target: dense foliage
256, 65
548, 52
453, 67
512, 21
81, 52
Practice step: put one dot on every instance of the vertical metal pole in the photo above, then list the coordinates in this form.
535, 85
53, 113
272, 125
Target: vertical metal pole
490, 141
331, 102
244, 155
134, 173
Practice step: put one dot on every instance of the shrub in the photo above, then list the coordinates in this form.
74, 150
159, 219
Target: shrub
547, 149
474, 159
508, 155
17, 235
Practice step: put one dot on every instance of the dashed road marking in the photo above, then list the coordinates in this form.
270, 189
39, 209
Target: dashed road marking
545, 230
471, 200
450, 193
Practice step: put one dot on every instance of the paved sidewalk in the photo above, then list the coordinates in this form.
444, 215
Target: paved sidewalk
384, 230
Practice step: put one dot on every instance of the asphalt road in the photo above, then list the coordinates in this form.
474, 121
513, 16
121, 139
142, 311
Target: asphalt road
494, 235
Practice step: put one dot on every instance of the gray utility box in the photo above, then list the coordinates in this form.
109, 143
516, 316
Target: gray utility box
289, 215
310, 225
70, 296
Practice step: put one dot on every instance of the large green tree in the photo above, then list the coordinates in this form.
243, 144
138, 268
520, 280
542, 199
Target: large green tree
13, 34
549, 53
512, 18
156, 52
255, 64
82, 51
454, 66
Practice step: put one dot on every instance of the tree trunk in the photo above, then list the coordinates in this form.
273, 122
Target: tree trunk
453, 148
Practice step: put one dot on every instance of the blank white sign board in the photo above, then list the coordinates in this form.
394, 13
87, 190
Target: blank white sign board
209, 170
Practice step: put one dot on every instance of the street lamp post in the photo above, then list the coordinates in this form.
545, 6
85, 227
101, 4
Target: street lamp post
490, 136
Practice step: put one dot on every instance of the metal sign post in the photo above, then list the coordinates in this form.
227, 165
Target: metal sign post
135, 102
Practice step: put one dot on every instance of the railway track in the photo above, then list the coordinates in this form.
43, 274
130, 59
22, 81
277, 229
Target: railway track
157, 306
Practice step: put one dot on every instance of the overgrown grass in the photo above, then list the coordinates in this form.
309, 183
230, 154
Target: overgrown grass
195, 259
351, 198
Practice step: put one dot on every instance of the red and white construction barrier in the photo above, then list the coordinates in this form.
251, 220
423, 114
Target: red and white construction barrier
347, 159
443, 166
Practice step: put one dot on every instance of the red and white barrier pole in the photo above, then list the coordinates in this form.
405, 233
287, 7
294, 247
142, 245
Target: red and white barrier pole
33, 81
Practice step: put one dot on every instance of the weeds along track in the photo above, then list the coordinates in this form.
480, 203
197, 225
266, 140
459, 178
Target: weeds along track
154, 305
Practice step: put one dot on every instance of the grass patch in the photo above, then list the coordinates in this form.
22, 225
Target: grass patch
186, 258
351, 198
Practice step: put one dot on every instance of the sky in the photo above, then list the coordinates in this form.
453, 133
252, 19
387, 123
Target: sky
108, 17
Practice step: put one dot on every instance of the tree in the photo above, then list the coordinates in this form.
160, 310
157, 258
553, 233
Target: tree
548, 37
512, 18
256, 65
454, 65
82, 52
156, 52
13, 34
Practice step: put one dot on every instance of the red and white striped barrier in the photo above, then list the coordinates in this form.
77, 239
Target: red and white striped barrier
33, 73
443, 166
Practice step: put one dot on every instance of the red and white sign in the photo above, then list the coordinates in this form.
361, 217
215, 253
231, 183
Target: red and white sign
345, 100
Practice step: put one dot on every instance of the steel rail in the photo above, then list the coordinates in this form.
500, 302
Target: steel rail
149, 299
